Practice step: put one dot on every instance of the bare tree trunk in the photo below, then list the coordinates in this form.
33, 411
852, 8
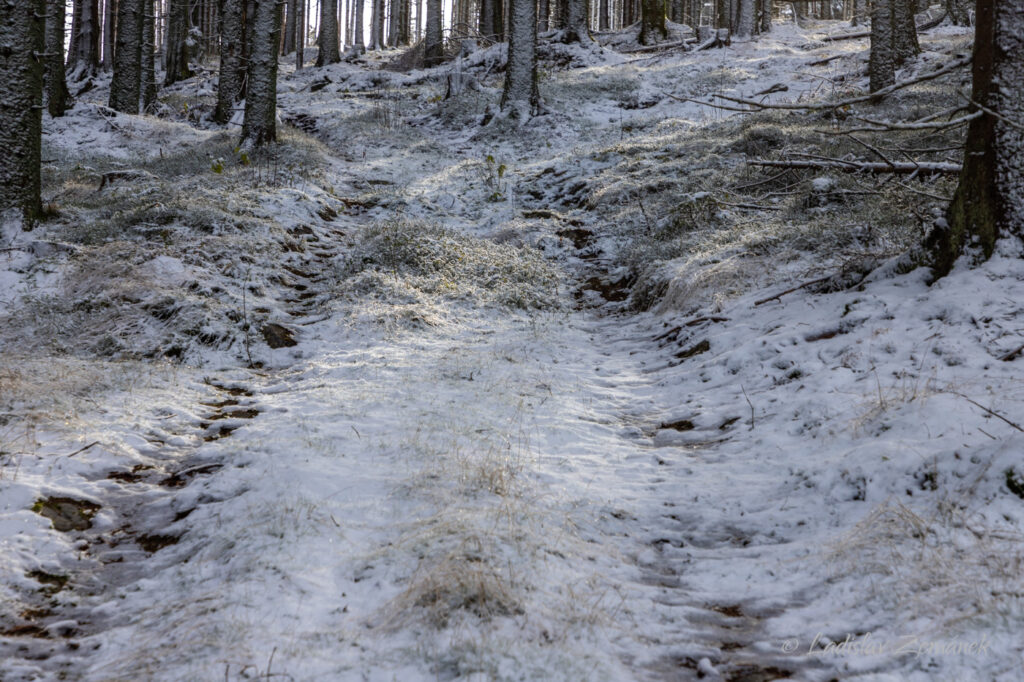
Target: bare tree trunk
260, 124
359, 41
23, 36
988, 206
766, 16
652, 21
177, 52
544, 15
330, 52
574, 20
149, 85
291, 9
904, 31
300, 35
84, 52
56, 80
959, 12
127, 81
404, 21
232, 65
109, 32
745, 13
433, 44
521, 94
882, 64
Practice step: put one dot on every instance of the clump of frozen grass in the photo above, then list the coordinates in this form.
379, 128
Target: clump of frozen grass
461, 580
416, 258
942, 567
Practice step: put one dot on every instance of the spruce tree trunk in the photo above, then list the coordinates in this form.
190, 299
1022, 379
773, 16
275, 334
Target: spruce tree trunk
766, 16
232, 64
377, 25
521, 96
652, 21
330, 52
22, 38
289, 26
260, 125
359, 40
988, 205
109, 32
300, 35
904, 31
57, 95
491, 20
177, 52
604, 16
404, 21
149, 86
84, 50
745, 14
127, 80
881, 65
959, 12
544, 15
574, 22
433, 41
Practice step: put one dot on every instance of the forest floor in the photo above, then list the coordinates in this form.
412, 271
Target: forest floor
583, 398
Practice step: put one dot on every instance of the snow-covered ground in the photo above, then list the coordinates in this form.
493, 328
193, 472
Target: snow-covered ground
480, 459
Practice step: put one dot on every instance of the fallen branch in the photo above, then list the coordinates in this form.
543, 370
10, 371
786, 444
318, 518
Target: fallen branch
658, 48
1013, 353
867, 34
81, 450
826, 60
872, 96
796, 288
898, 167
990, 411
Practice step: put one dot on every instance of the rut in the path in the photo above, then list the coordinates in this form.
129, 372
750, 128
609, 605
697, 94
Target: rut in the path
151, 516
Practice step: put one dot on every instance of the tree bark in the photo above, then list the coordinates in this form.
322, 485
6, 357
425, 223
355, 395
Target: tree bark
22, 38
766, 16
652, 22
84, 50
260, 125
521, 95
959, 12
177, 50
904, 31
988, 205
575, 14
149, 85
881, 64
745, 14
359, 39
433, 41
109, 32
127, 80
291, 9
330, 52
232, 64
57, 95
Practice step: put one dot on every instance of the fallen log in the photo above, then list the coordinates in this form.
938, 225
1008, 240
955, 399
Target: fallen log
897, 167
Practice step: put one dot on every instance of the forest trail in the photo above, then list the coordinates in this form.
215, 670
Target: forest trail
446, 446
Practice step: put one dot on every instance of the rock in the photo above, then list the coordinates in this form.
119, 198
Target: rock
278, 336
67, 513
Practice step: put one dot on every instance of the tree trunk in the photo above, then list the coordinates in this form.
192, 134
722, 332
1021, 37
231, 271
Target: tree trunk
22, 37
988, 205
291, 9
491, 20
521, 94
433, 41
260, 124
177, 52
109, 32
904, 31
232, 64
404, 21
149, 86
881, 65
544, 15
745, 14
56, 81
766, 16
127, 80
84, 51
330, 52
300, 35
359, 41
959, 12
652, 21
574, 22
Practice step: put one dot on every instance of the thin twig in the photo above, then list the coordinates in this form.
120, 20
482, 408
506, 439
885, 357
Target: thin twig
81, 450
988, 410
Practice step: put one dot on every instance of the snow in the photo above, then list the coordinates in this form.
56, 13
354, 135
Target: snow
462, 469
